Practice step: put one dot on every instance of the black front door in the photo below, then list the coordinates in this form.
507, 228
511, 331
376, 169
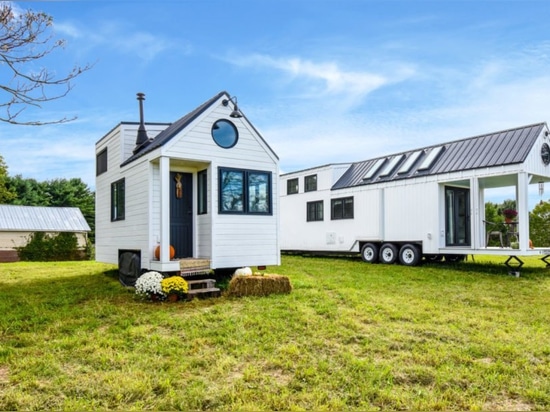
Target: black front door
457, 216
181, 213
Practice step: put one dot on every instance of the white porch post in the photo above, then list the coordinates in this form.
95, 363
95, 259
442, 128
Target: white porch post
522, 198
164, 209
477, 214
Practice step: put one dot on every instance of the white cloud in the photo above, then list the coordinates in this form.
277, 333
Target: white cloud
326, 79
122, 39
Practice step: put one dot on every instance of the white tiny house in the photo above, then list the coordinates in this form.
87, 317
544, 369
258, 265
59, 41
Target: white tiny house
428, 202
191, 196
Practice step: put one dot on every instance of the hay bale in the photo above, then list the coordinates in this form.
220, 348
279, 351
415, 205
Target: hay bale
258, 285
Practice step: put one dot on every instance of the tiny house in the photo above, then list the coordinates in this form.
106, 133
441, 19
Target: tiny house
423, 203
191, 196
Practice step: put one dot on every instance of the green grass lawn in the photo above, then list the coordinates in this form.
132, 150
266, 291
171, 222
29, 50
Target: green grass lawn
350, 336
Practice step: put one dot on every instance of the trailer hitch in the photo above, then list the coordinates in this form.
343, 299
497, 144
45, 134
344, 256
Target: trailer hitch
514, 270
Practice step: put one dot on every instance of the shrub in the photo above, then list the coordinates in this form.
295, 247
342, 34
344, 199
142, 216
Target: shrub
46, 247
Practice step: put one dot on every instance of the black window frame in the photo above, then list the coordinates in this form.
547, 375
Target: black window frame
225, 127
310, 183
292, 186
242, 200
313, 213
202, 192
118, 200
101, 162
341, 212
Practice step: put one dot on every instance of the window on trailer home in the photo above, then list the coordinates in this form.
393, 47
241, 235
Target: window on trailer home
292, 186
341, 208
117, 200
202, 195
244, 191
315, 211
310, 183
101, 162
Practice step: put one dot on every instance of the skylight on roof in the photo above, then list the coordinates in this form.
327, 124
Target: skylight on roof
391, 166
374, 168
430, 158
413, 157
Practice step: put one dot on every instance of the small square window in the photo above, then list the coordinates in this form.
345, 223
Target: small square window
315, 211
310, 183
292, 186
341, 208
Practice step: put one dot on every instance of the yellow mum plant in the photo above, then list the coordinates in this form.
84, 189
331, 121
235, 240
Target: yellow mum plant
174, 284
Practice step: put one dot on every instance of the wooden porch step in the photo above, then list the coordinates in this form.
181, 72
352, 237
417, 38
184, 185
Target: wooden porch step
204, 288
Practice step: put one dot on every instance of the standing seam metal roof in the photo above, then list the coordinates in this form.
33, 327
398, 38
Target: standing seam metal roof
493, 149
42, 219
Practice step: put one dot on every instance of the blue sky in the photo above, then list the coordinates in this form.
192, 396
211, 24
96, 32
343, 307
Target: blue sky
323, 80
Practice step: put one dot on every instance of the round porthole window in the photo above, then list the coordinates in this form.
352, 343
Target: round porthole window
225, 133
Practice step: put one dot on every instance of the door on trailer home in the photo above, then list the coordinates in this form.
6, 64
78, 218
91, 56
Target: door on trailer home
457, 216
181, 214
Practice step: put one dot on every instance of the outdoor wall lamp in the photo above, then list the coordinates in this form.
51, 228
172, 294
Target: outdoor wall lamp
235, 113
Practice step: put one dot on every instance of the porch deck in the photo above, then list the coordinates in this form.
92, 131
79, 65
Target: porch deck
194, 266
496, 250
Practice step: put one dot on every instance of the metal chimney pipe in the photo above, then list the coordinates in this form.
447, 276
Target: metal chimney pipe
142, 137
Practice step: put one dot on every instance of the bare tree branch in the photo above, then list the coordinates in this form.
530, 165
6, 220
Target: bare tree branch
25, 39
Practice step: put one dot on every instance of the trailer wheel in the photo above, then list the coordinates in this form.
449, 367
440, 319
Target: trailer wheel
409, 255
388, 253
369, 253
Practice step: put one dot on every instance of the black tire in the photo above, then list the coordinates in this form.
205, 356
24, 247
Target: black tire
410, 255
388, 253
369, 253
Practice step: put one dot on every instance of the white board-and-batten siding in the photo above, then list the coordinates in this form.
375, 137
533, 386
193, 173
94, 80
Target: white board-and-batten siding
397, 211
226, 240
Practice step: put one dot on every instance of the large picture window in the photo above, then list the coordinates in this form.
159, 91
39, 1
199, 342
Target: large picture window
315, 211
341, 208
118, 200
244, 191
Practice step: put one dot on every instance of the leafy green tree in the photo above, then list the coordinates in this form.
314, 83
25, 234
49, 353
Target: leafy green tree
29, 192
73, 193
7, 194
539, 224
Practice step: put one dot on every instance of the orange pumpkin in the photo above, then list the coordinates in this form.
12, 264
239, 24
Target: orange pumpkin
172, 252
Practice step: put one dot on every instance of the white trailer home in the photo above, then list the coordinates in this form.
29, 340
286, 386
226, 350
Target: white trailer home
191, 196
428, 202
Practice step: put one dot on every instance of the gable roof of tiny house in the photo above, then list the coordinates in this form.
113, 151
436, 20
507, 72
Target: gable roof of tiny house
167, 134
15, 218
494, 149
